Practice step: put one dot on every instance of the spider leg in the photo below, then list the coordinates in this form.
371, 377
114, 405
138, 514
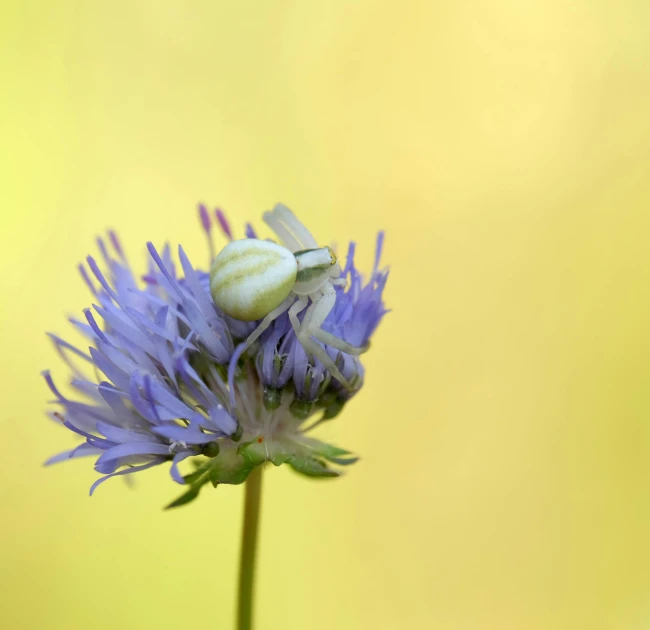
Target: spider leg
302, 234
321, 306
290, 230
298, 306
268, 320
338, 343
283, 234
313, 323
312, 348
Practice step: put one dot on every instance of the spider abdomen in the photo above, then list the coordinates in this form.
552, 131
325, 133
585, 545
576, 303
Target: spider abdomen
250, 277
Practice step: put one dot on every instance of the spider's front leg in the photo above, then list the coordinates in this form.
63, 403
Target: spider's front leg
268, 320
313, 324
289, 229
297, 307
311, 327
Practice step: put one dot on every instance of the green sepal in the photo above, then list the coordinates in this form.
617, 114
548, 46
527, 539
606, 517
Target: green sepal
334, 409
201, 471
237, 435
252, 451
300, 409
331, 453
343, 461
277, 452
311, 466
196, 481
329, 397
272, 398
211, 449
231, 468
190, 495
280, 458
228, 467
305, 455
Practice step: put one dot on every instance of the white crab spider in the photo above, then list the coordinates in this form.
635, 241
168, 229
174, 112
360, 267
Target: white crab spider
251, 279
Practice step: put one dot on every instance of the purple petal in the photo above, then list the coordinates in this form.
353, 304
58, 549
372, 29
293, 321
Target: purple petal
122, 436
86, 279
93, 324
161, 265
176, 433
378, 248
83, 450
127, 471
132, 448
100, 277
178, 458
50, 383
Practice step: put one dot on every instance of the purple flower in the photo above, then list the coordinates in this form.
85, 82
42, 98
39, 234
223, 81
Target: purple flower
153, 386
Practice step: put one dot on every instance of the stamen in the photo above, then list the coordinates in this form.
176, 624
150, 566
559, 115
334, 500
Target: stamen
207, 228
223, 222
379, 247
117, 246
104, 252
86, 279
250, 232
349, 259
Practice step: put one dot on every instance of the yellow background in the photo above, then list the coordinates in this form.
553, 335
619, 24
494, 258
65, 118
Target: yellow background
505, 424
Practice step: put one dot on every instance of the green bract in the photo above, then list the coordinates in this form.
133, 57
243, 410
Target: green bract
307, 456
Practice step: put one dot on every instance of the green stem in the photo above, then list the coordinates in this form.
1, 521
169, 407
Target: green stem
248, 547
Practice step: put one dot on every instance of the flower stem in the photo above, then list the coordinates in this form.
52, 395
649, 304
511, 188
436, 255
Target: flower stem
248, 547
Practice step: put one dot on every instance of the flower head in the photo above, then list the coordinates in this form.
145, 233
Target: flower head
168, 375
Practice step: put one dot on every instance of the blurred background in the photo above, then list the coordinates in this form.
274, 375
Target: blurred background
504, 427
